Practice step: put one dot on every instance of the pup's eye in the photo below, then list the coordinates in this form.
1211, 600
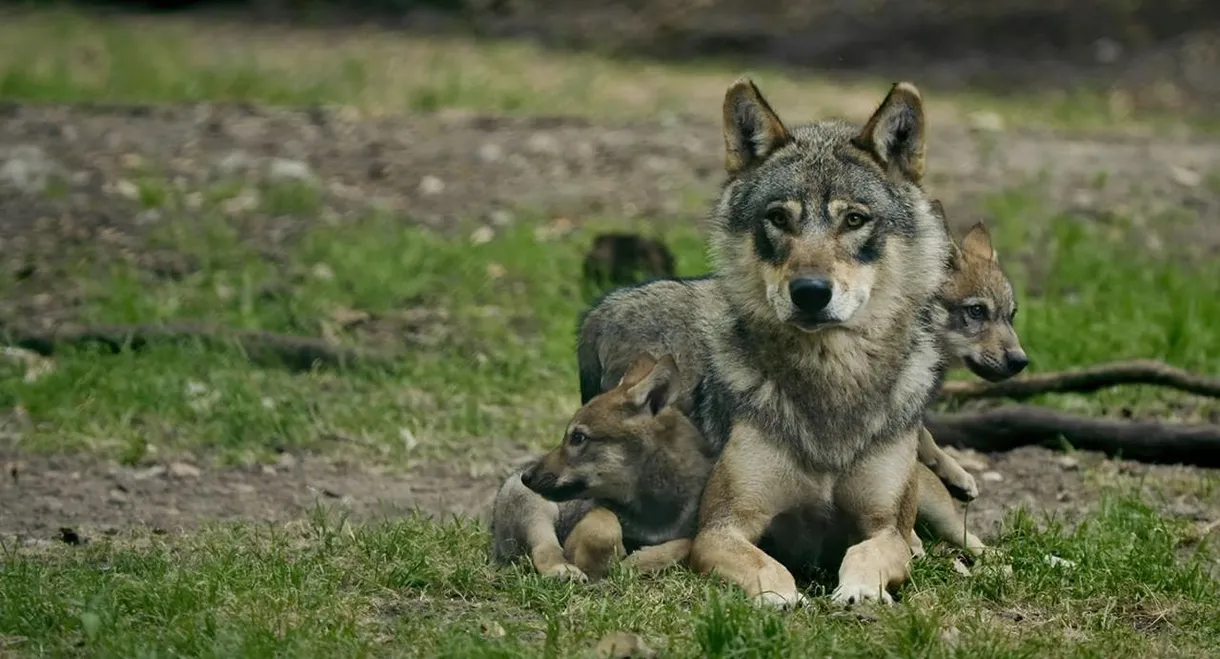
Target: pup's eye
778, 217
855, 219
977, 311
578, 437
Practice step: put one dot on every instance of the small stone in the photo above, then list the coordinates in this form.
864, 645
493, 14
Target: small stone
1186, 177
544, 144
235, 163
1069, 463
482, 235
268, 470
155, 471
286, 462
1107, 51
127, 189
500, 218
408, 439
495, 271
323, 272
992, 476
193, 201
623, 645
431, 185
490, 152
117, 496
1056, 561
131, 161
26, 168
184, 470
492, 629
990, 122
244, 202
283, 169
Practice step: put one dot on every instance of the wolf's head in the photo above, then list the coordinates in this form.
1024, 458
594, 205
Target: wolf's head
979, 298
825, 225
613, 440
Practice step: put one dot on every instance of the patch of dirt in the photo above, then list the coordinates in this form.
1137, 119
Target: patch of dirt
42, 495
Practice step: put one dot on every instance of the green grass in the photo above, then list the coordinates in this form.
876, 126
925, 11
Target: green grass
414, 587
488, 331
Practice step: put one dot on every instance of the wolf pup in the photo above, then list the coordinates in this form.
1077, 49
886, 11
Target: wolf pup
625, 480
815, 341
979, 299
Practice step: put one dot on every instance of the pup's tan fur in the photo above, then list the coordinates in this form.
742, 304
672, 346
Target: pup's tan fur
625, 480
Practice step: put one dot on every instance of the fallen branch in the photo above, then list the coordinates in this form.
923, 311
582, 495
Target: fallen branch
296, 353
1013, 426
1084, 380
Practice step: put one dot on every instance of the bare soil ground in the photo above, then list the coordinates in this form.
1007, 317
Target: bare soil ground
446, 168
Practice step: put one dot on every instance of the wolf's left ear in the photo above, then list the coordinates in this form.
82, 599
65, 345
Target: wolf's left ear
955, 254
977, 242
752, 130
894, 135
655, 391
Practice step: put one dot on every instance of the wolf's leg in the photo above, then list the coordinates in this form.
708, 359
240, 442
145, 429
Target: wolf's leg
957, 480
880, 495
742, 496
940, 514
659, 557
595, 541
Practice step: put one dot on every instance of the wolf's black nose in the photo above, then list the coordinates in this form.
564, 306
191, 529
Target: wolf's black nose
1016, 360
810, 294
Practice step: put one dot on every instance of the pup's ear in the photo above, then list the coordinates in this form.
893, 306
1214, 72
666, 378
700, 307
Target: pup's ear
955, 253
655, 391
894, 135
752, 130
640, 367
977, 242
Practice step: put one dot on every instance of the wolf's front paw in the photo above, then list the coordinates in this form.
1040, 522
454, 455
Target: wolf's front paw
849, 594
962, 486
565, 572
780, 600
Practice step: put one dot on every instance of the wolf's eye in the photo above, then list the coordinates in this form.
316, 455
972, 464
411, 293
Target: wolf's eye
977, 311
855, 220
578, 437
778, 217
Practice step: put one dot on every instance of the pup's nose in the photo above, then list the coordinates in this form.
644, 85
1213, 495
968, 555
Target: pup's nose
530, 475
1016, 360
810, 294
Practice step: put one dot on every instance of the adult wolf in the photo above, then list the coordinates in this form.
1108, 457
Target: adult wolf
813, 347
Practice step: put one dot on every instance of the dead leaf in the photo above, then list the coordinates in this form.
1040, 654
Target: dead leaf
35, 364
348, 317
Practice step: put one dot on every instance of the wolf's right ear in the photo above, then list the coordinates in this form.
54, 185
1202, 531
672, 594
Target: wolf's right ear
955, 253
655, 391
752, 130
894, 135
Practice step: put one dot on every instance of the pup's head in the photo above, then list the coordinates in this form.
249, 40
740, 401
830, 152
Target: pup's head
981, 306
611, 439
825, 225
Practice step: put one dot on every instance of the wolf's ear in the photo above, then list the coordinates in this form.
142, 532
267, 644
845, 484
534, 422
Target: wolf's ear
955, 254
977, 242
640, 367
894, 135
655, 390
752, 130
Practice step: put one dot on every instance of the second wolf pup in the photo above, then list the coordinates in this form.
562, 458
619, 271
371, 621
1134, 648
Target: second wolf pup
626, 479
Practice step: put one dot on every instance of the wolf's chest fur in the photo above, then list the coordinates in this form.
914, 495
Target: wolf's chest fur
828, 398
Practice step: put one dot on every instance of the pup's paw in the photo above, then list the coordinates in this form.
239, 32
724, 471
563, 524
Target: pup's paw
963, 487
565, 572
780, 600
849, 594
